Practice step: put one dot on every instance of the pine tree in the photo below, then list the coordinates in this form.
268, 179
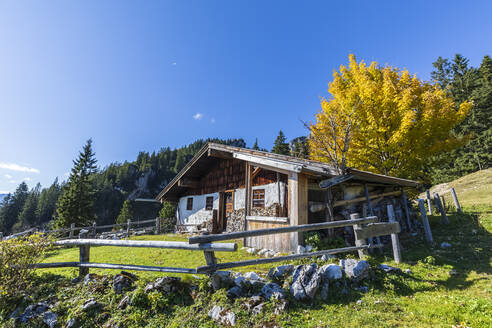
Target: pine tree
255, 146
126, 212
75, 205
12, 206
27, 216
300, 147
47, 203
280, 146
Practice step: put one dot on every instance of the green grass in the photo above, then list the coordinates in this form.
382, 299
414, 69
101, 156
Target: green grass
428, 297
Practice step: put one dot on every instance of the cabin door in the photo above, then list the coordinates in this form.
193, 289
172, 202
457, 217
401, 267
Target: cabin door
228, 207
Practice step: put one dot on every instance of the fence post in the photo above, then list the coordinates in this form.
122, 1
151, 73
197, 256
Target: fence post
84, 256
425, 221
83, 233
94, 230
128, 222
429, 202
209, 256
437, 200
1, 236
72, 227
456, 202
394, 236
405, 207
443, 202
358, 242
157, 226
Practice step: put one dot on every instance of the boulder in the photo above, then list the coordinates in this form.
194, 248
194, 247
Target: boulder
305, 282
122, 281
251, 251
272, 290
90, 278
330, 272
280, 272
89, 305
327, 257
124, 302
388, 269
33, 311
252, 302
301, 249
324, 290
355, 269
72, 323
222, 316
50, 319
163, 285
309, 248
235, 292
262, 251
221, 279
252, 276
257, 309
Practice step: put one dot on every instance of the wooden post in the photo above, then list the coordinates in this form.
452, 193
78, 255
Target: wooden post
394, 236
359, 242
84, 256
128, 223
405, 208
437, 201
72, 228
371, 212
456, 202
1, 236
443, 202
298, 206
425, 221
94, 230
157, 226
247, 199
329, 211
429, 202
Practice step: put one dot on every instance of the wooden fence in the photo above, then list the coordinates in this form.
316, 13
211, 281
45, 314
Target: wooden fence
363, 228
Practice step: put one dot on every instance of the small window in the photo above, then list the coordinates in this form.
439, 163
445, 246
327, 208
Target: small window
209, 205
189, 204
229, 202
259, 198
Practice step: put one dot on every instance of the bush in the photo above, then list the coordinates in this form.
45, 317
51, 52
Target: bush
167, 215
16, 259
320, 242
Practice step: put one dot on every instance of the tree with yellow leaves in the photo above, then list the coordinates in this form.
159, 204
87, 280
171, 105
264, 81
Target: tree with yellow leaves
383, 120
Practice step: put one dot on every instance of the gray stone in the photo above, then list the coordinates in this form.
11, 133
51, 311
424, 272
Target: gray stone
72, 323
235, 292
280, 307
308, 248
301, 249
363, 289
121, 282
408, 271
272, 290
163, 284
305, 282
359, 302
251, 251
251, 276
240, 281
90, 304
221, 279
262, 251
388, 269
33, 311
330, 272
50, 319
252, 302
280, 272
324, 290
222, 316
259, 308
354, 269
327, 257
90, 278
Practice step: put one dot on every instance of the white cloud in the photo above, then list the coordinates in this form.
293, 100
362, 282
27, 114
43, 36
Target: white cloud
198, 116
8, 176
12, 181
212, 120
17, 167
26, 179
174, 64
4, 192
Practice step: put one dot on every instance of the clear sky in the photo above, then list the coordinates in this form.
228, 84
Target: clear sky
141, 75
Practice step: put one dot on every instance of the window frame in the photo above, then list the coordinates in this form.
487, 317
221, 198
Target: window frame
211, 207
258, 202
189, 204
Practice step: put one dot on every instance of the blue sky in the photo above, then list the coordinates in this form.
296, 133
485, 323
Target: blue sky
142, 75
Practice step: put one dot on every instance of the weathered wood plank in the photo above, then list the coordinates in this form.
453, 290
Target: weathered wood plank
440, 209
429, 202
229, 265
394, 237
362, 199
377, 229
87, 265
456, 202
272, 219
219, 247
425, 221
263, 232
405, 208
84, 256
359, 241
334, 181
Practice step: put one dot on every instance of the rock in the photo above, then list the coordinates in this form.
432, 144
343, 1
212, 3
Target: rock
251, 276
453, 272
354, 269
280, 272
89, 304
33, 311
305, 282
163, 284
221, 279
235, 292
408, 271
301, 249
262, 251
222, 316
359, 302
257, 309
363, 289
90, 278
72, 323
240, 281
272, 290
324, 290
124, 302
252, 302
50, 319
388, 269
445, 244
280, 307
270, 254
121, 282
327, 257
251, 251
330, 272
308, 248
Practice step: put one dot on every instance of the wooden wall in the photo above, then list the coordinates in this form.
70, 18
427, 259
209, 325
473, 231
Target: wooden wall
278, 242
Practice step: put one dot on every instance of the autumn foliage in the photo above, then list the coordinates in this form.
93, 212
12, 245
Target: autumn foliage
384, 120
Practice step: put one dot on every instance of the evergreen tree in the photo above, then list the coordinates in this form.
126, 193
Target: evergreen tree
46, 206
280, 146
299, 147
12, 206
126, 212
255, 146
27, 216
75, 204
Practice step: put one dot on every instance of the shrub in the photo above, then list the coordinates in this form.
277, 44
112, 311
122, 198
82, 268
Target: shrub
167, 215
320, 242
16, 259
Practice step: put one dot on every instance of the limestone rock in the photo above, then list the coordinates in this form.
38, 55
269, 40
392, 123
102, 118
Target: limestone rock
124, 302
222, 316
354, 269
235, 292
252, 302
272, 290
122, 281
50, 319
305, 282
388, 269
330, 272
221, 279
90, 304
280, 272
301, 249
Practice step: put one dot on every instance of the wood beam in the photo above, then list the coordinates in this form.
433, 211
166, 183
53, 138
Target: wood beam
189, 183
334, 181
